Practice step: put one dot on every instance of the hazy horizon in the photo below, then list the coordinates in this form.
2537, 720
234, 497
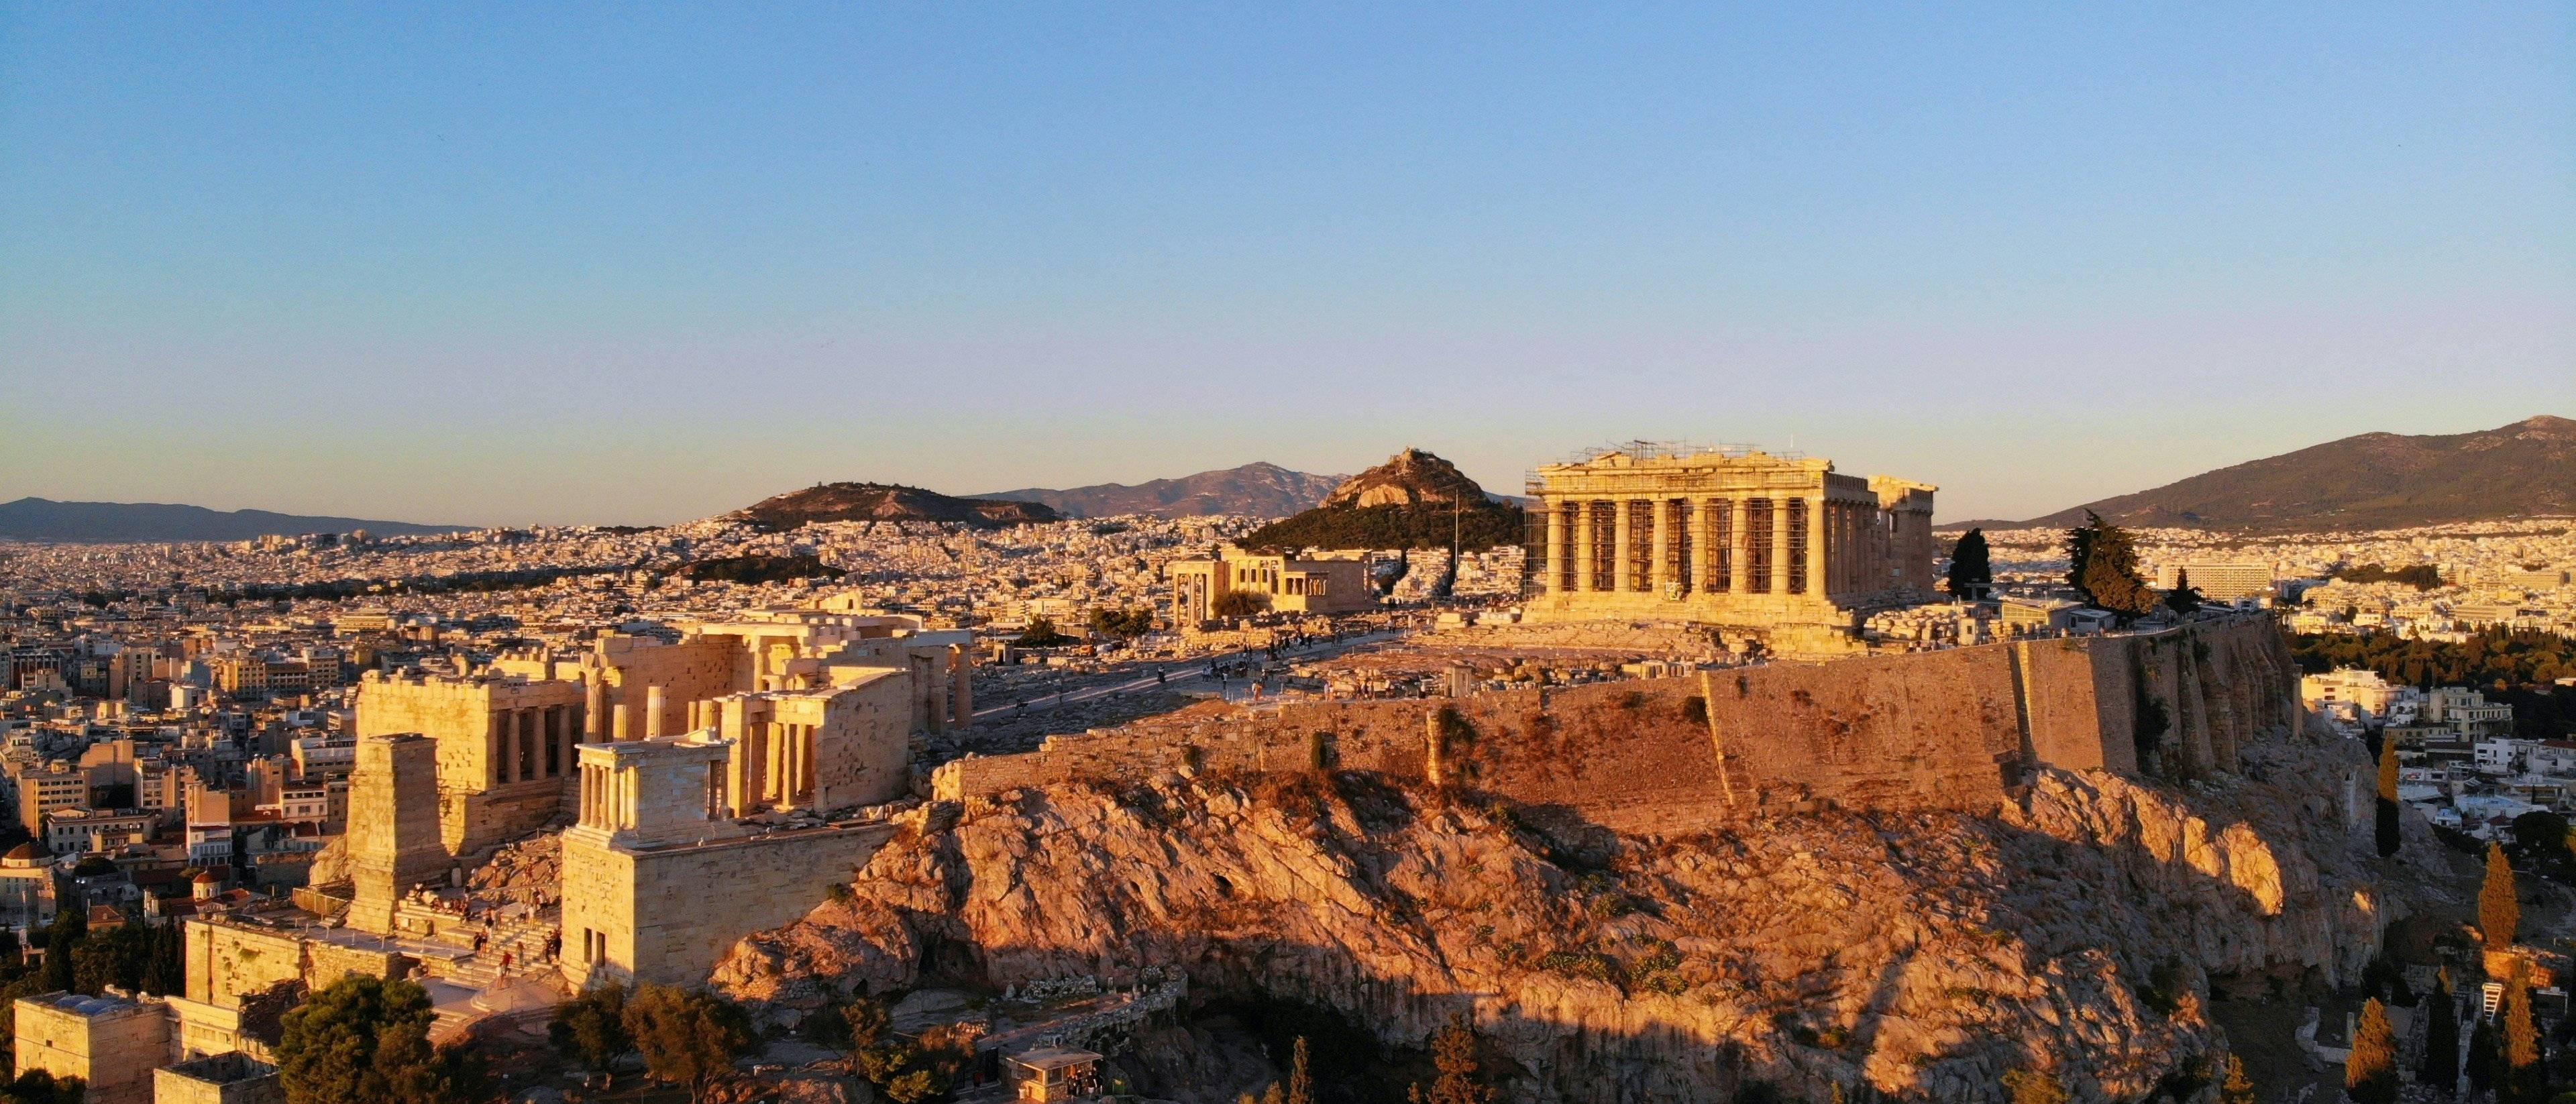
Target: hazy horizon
491, 265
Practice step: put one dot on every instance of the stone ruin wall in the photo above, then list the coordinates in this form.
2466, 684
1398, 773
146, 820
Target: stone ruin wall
1947, 729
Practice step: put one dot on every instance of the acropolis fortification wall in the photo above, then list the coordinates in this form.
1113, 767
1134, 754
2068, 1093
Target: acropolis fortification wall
1946, 729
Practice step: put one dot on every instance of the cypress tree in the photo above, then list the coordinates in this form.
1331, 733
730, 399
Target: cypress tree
2524, 1081
2103, 567
2441, 1038
2387, 827
2499, 911
2483, 1059
1972, 568
1301, 1085
2370, 1075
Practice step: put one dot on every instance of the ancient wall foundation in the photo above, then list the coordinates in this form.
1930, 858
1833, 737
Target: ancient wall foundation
667, 914
1945, 729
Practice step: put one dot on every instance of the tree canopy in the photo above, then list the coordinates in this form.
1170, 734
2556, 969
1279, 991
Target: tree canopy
365, 1038
1972, 569
2499, 910
1239, 603
1122, 624
2102, 565
687, 1036
2370, 1074
1042, 633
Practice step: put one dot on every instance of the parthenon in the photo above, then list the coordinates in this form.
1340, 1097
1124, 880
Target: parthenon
1782, 547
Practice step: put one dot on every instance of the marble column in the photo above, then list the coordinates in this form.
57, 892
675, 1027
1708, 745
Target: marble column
1779, 545
1699, 554
1556, 565
653, 712
1623, 536
1738, 572
1816, 546
1659, 566
1583, 552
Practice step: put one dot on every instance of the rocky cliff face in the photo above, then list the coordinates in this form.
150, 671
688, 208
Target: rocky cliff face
1922, 955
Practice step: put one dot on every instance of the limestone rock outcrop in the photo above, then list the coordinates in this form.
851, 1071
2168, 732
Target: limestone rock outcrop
1922, 954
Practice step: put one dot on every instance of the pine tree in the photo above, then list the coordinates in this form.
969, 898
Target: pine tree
2370, 1075
1453, 1053
2387, 828
2525, 1082
2103, 567
2441, 1037
2238, 1088
1972, 569
2499, 911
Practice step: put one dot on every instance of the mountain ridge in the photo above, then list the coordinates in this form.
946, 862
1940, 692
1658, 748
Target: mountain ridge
44, 519
2376, 480
1259, 489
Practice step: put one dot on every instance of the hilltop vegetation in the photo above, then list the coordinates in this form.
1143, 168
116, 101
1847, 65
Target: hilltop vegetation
886, 502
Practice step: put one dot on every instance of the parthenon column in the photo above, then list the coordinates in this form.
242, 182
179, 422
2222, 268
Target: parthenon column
1738, 572
594, 708
1779, 545
1556, 565
1622, 535
1816, 546
1702, 553
1659, 568
1582, 544
653, 712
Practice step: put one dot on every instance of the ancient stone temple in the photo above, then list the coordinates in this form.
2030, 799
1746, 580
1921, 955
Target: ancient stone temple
1781, 547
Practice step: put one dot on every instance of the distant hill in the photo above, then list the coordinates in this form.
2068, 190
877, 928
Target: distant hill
1257, 490
1406, 502
43, 519
886, 502
2372, 481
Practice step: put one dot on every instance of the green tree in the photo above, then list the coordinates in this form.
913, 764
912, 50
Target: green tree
1972, 569
2499, 910
2103, 567
40, 1087
2388, 819
2524, 1082
2370, 1075
687, 1036
2540, 836
62, 942
1453, 1054
2035, 1086
907, 1072
2184, 598
2237, 1088
2486, 1062
1042, 633
365, 1038
591, 1028
1238, 603
2441, 1037
1122, 624
868, 1022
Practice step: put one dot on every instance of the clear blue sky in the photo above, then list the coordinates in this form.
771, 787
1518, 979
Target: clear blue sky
637, 263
